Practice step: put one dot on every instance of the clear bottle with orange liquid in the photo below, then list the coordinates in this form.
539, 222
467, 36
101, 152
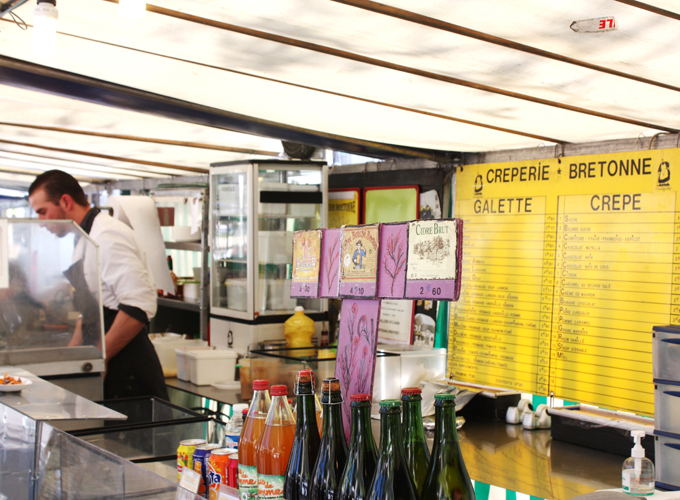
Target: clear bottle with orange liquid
250, 437
274, 446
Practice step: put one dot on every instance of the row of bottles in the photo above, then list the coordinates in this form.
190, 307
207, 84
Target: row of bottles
281, 458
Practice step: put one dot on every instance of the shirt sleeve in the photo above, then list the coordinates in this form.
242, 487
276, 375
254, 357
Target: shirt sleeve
125, 274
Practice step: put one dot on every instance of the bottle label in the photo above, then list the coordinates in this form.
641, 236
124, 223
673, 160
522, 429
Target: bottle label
247, 481
270, 487
231, 440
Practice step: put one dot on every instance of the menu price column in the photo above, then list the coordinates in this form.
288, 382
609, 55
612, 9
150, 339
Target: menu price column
675, 287
547, 292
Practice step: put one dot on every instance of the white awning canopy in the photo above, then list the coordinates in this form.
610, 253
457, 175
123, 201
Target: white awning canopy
420, 78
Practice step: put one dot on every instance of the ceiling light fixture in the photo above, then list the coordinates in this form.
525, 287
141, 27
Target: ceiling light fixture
132, 10
45, 17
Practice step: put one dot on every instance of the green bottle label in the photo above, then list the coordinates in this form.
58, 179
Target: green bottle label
247, 481
270, 487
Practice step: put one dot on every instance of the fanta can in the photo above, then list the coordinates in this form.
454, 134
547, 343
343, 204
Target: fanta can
201, 456
217, 471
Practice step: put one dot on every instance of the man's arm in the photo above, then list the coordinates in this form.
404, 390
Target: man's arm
122, 331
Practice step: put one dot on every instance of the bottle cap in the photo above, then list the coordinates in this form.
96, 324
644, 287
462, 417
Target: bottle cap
304, 377
238, 408
299, 309
330, 385
260, 385
390, 403
245, 411
445, 398
279, 390
360, 397
411, 391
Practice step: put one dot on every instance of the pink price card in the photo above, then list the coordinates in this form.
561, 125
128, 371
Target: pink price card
433, 269
392, 260
357, 348
306, 263
359, 247
330, 263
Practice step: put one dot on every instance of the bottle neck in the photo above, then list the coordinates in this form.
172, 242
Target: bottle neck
306, 410
279, 412
361, 426
445, 427
332, 420
390, 434
413, 418
260, 404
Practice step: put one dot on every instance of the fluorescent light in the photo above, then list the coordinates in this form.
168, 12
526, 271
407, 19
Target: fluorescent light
133, 10
45, 17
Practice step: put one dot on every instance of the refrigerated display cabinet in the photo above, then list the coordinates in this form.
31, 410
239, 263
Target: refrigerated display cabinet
256, 206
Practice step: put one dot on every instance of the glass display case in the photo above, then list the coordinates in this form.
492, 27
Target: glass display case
255, 208
50, 299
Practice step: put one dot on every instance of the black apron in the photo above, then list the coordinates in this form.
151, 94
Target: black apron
135, 370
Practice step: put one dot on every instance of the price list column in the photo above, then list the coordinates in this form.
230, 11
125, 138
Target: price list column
547, 292
675, 289
615, 274
507, 266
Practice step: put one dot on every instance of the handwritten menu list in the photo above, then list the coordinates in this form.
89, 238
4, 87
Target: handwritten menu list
502, 321
614, 270
565, 274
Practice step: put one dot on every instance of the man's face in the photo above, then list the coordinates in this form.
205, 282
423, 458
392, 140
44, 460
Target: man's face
48, 210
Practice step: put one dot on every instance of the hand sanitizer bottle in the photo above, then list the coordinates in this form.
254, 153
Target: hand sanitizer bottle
637, 473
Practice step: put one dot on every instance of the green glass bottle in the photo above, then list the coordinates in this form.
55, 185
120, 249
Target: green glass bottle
363, 453
447, 478
415, 447
392, 479
332, 457
306, 443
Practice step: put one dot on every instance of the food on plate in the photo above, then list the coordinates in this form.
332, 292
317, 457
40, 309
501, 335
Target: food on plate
9, 380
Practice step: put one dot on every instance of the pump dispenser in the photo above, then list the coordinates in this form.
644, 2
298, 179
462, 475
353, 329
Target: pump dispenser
637, 473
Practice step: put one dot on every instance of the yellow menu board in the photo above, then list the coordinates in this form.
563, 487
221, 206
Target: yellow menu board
567, 265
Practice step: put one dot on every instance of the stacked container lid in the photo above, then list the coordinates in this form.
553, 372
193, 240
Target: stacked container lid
666, 369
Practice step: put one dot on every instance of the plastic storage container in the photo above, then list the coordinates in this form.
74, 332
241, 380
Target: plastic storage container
667, 456
212, 366
666, 352
183, 361
667, 406
165, 345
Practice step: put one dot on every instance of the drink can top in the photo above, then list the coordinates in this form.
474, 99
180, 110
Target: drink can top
192, 442
233, 457
390, 403
260, 385
445, 397
279, 390
224, 451
209, 446
360, 397
411, 391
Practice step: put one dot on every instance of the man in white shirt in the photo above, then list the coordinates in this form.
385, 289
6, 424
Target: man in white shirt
128, 293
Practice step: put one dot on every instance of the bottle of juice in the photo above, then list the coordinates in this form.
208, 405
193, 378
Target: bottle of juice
363, 453
250, 436
415, 447
274, 446
333, 449
392, 479
299, 329
447, 477
306, 443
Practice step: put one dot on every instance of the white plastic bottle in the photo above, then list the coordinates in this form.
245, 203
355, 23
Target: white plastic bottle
637, 473
234, 427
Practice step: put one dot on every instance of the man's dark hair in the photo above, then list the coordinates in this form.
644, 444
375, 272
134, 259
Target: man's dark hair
56, 184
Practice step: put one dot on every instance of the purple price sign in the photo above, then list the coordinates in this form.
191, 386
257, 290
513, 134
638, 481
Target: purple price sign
431, 289
304, 289
358, 290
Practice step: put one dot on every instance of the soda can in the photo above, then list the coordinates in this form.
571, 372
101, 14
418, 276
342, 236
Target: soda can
232, 470
201, 456
185, 455
217, 471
